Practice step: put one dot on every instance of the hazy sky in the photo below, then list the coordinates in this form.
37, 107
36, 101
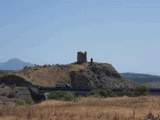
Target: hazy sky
125, 33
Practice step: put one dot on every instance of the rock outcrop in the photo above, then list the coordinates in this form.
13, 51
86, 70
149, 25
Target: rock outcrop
86, 75
25, 84
14, 88
99, 76
15, 80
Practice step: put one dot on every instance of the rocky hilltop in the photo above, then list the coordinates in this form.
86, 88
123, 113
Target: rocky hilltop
99, 75
81, 76
26, 85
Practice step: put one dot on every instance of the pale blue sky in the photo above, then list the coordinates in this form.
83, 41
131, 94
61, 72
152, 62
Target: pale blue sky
125, 33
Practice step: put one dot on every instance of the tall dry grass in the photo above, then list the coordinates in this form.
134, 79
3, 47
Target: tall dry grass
120, 108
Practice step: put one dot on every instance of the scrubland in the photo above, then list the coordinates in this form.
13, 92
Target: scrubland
118, 108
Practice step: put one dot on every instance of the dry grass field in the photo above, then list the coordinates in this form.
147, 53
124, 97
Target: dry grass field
119, 108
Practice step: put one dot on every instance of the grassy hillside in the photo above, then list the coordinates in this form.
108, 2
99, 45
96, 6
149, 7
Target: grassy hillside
97, 75
50, 75
150, 81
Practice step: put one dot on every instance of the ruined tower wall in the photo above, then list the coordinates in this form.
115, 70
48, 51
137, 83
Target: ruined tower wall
81, 57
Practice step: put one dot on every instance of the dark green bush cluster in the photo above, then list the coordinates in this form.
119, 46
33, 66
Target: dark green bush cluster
20, 102
125, 92
142, 90
69, 96
139, 91
62, 95
102, 93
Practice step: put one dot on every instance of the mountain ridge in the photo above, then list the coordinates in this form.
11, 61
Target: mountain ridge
148, 80
14, 64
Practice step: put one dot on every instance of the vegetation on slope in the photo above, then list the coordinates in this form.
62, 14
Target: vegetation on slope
61, 95
50, 75
150, 81
97, 75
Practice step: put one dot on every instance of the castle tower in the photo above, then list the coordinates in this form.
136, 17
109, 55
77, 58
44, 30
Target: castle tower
81, 57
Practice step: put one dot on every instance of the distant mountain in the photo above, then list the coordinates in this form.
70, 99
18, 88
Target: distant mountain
151, 81
14, 64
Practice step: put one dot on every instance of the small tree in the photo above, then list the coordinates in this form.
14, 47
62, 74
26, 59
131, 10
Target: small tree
142, 90
61, 95
102, 93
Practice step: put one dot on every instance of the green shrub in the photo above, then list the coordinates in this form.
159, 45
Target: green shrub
139, 91
28, 102
102, 93
142, 90
20, 102
125, 92
61, 95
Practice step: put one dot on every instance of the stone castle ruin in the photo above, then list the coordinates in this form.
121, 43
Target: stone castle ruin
81, 57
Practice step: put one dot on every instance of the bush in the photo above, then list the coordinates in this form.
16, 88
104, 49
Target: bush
28, 102
142, 90
20, 102
139, 91
102, 93
61, 95
125, 92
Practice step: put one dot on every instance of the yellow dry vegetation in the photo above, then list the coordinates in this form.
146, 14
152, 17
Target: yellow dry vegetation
118, 108
50, 75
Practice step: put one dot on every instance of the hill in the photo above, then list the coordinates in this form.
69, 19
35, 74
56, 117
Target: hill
14, 64
97, 75
150, 81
